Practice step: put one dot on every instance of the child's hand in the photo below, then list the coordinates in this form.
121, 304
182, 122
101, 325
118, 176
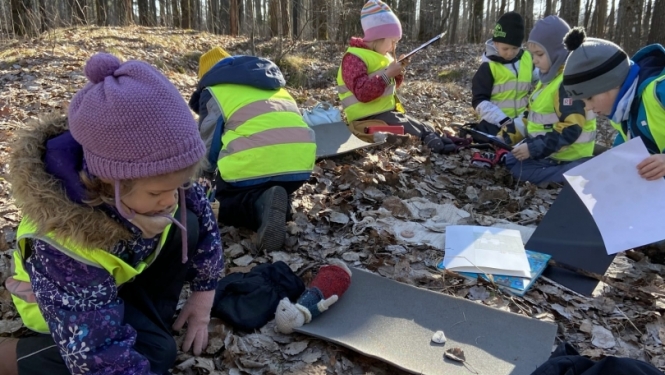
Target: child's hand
196, 313
394, 69
521, 152
404, 62
653, 167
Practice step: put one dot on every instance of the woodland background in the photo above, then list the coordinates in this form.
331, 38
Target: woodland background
630, 23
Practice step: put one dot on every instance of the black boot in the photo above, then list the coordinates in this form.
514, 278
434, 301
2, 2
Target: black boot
271, 210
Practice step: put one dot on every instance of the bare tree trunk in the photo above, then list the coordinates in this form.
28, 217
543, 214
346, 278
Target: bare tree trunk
598, 20
234, 22
454, 17
587, 14
528, 18
185, 11
274, 17
646, 22
406, 11
612, 34
320, 8
657, 32
570, 11
631, 12
286, 18
430, 16
502, 9
100, 10
476, 19
548, 8
144, 13
297, 5
78, 14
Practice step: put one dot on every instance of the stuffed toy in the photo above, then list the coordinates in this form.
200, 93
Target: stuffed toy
330, 283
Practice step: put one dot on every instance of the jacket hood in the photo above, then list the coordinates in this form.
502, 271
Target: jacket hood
241, 70
491, 54
651, 60
358, 42
45, 163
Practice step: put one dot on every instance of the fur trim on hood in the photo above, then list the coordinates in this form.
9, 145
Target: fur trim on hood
42, 197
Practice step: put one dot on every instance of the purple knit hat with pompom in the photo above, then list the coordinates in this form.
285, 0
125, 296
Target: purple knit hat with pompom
132, 122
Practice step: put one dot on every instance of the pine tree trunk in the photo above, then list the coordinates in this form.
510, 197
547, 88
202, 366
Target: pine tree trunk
612, 34
528, 19
295, 18
502, 8
273, 13
646, 22
631, 12
430, 16
657, 32
234, 23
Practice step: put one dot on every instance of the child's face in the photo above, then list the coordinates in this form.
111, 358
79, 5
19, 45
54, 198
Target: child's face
385, 45
155, 195
603, 103
540, 58
506, 51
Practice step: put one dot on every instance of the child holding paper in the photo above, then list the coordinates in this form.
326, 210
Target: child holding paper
369, 76
631, 92
558, 133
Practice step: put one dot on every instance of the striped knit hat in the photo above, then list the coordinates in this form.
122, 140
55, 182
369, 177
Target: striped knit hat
379, 22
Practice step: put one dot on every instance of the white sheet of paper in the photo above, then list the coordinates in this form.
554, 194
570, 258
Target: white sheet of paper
485, 249
626, 208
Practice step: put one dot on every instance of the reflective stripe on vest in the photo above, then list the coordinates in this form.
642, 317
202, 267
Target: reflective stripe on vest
19, 283
264, 134
542, 117
655, 112
355, 109
510, 91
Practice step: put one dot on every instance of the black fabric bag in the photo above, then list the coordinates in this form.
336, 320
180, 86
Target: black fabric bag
567, 361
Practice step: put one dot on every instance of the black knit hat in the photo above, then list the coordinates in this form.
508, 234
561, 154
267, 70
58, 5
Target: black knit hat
509, 29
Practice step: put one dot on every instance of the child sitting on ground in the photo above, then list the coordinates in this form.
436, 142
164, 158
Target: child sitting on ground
631, 92
369, 77
112, 228
500, 87
559, 133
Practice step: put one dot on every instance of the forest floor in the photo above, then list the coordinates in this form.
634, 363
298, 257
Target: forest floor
40, 75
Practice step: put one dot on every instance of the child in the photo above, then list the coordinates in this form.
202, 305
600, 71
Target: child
501, 85
258, 142
100, 192
559, 133
369, 76
631, 92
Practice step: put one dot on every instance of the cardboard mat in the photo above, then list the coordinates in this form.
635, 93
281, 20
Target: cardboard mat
336, 139
394, 322
570, 235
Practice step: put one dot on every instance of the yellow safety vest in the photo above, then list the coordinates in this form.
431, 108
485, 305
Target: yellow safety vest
354, 108
510, 92
619, 129
542, 115
22, 296
655, 112
264, 134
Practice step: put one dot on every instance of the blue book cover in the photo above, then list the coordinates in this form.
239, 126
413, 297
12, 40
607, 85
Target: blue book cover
515, 285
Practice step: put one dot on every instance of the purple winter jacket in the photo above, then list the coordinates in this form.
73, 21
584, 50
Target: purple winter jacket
79, 302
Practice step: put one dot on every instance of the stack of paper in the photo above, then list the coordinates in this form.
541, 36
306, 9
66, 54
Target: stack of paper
495, 251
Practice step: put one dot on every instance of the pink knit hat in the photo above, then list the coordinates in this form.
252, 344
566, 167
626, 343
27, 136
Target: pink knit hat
379, 22
132, 122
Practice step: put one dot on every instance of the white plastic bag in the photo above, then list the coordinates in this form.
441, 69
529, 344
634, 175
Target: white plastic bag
322, 113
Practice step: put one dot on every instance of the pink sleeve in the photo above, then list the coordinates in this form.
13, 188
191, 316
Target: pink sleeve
354, 73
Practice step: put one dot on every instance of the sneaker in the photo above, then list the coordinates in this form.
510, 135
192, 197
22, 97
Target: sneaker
500, 156
271, 210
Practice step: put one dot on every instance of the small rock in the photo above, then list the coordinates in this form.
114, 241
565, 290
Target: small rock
408, 233
439, 337
472, 193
